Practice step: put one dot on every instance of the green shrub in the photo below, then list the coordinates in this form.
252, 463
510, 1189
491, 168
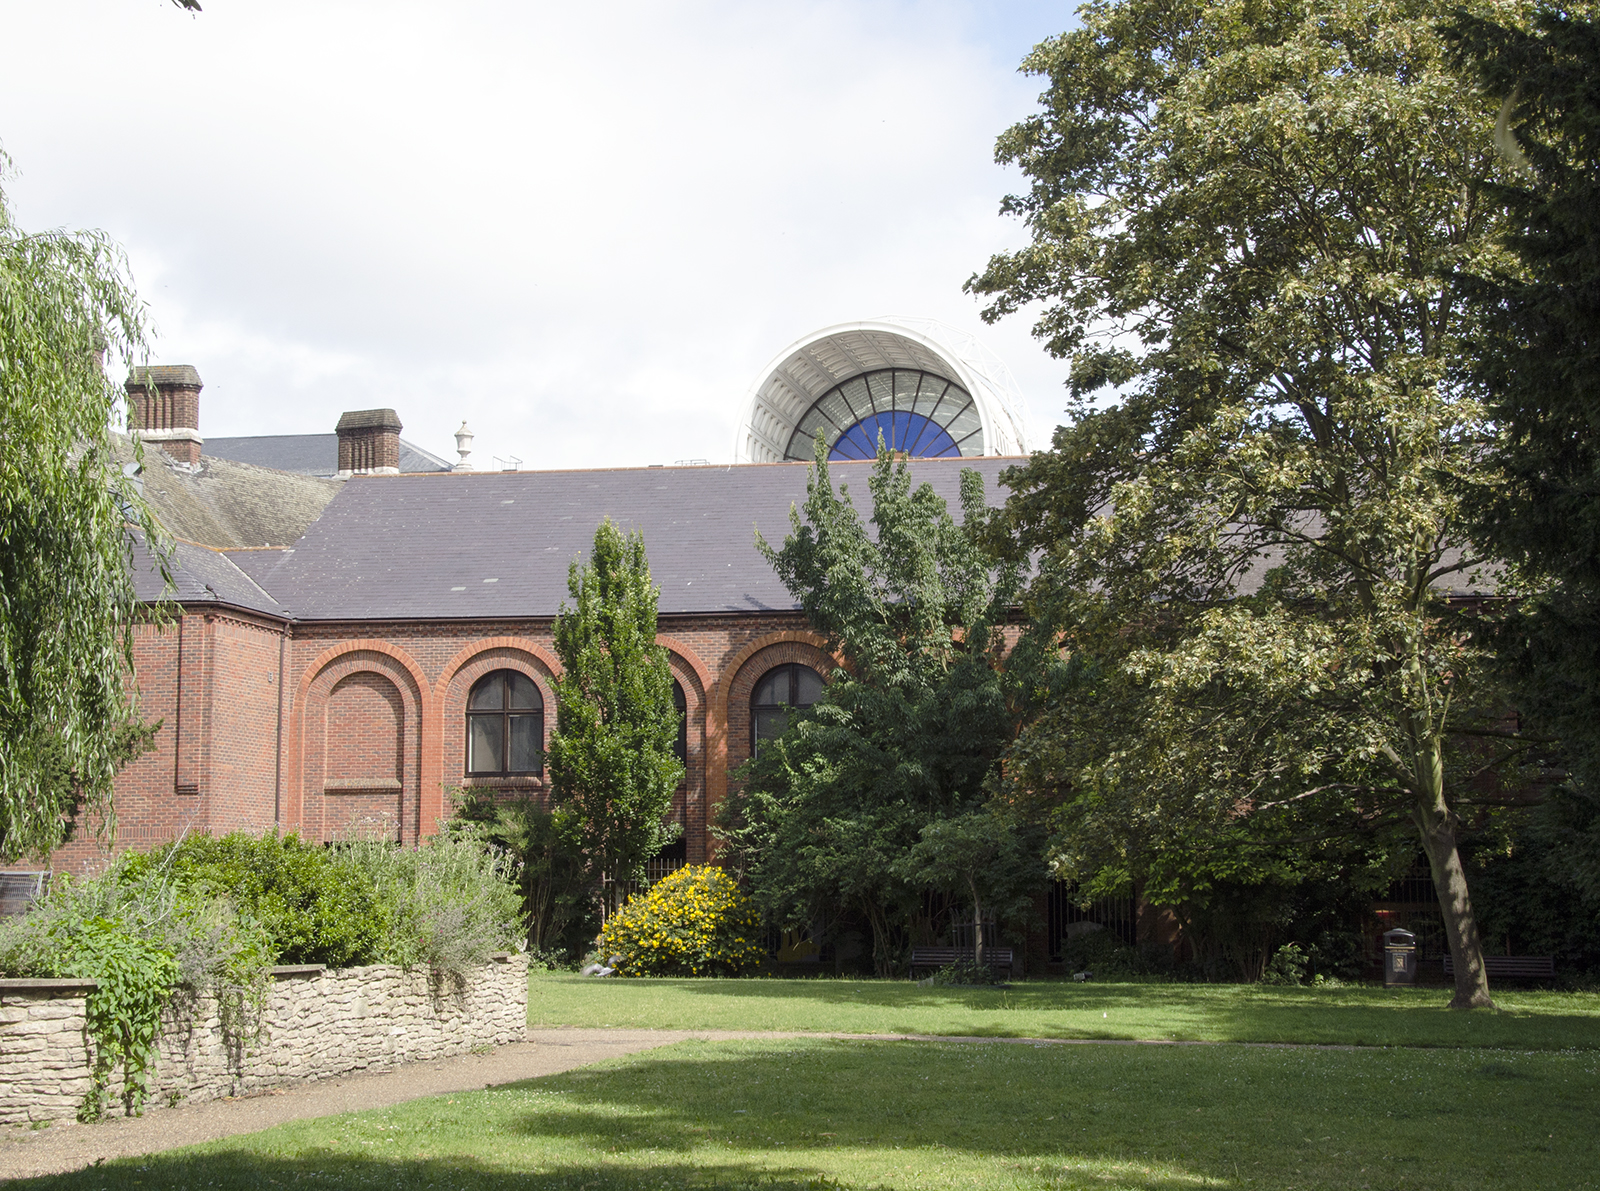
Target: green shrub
138, 933
133, 979
215, 914
448, 904
314, 905
545, 859
1287, 966
694, 922
1108, 957
966, 971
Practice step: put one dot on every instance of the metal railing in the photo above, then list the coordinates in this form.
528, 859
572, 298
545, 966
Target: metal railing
1064, 911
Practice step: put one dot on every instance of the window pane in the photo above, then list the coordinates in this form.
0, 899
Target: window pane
905, 388
485, 746
838, 409
928, 395
770, 724
527, 739
808, 686
813, 422
855, 392
488, 693
773, 688
967, 429
955, 399
881, 385
524, 694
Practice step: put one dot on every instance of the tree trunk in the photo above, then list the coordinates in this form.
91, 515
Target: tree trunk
1437, 826
977, 926
882, 960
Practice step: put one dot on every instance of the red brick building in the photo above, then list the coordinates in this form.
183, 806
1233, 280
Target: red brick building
391, 641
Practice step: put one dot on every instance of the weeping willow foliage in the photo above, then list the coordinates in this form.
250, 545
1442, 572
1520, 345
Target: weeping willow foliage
67, 604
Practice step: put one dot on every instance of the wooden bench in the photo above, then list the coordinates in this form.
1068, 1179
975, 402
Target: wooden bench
1512, 967
18, 891
994, 958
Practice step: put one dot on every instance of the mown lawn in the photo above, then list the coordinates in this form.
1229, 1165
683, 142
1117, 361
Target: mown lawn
1527, 1019
820, 1113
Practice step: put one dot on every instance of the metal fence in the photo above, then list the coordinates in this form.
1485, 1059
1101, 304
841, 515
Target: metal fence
1410, 902
1064, 910
654, 870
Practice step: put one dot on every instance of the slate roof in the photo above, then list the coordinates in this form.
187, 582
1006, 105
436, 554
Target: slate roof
199, 576
258, 562
307, 454
498, 544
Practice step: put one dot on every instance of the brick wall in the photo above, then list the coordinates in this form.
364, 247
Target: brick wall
328, 729
317, 1023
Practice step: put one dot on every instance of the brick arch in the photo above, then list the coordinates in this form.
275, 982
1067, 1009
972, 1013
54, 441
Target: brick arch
545, 658
366, 645
695, 678
689, 658
450, 697
317, 682
740, 684
767, 641
717, 719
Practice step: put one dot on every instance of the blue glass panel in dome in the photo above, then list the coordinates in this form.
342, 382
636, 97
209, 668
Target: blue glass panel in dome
911, 433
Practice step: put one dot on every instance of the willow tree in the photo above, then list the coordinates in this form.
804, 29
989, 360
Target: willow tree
1245, 221
67, 600
612, 763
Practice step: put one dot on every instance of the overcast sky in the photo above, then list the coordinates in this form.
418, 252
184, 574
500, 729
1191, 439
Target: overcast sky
584, 229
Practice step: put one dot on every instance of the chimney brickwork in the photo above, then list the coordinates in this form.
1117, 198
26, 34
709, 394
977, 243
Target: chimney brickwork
164, 409
369, 442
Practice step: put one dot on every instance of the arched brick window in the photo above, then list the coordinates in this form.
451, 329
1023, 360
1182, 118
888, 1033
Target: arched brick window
786, 687
505, 726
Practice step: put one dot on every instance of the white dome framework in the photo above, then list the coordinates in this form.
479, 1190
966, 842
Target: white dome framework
929, 389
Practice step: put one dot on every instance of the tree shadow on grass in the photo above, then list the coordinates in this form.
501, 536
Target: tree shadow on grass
1342, 1016
230, 1170
813, 1113
244, 1171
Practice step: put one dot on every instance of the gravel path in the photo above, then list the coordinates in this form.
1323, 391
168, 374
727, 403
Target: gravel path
67, 1145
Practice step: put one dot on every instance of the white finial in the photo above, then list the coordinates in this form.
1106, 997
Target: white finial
463, 448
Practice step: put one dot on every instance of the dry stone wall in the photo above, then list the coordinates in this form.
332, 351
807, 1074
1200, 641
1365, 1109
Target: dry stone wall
316, 1023
44, 1064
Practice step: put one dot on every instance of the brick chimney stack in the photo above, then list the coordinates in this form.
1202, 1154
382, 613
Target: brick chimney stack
369, 442
164, 408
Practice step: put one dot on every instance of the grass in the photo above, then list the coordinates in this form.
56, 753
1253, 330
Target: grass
1526, 1019
815, 1113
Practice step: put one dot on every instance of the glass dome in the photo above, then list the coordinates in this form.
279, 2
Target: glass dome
918, 413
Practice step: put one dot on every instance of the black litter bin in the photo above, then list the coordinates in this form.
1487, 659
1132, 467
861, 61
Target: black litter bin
1399, 957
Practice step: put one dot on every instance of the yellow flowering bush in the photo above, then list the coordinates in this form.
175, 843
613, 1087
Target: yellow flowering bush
694, 922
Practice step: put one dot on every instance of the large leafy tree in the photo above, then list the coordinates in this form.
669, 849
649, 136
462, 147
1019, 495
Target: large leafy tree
1243, 219
1537, 358
611, 754
909, 732
67, 601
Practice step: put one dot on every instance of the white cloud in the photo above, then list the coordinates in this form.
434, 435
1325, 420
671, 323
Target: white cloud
581, 229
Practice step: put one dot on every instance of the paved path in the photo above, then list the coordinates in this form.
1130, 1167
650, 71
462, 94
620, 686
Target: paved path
67, 1145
